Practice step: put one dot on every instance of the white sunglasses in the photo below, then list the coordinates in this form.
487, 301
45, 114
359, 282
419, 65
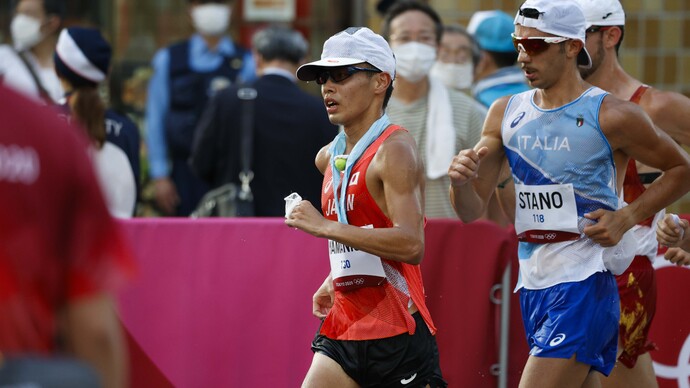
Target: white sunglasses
535, 44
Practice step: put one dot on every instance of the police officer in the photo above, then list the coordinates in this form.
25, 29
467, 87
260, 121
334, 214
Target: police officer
185, 75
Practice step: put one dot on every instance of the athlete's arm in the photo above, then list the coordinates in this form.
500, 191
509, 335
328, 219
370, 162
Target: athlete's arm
395, 180
323, 298
474, 172
93, 333
670, 112
631, 134
677, 256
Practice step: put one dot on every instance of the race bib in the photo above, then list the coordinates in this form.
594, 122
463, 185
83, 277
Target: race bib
545, 213
352, 269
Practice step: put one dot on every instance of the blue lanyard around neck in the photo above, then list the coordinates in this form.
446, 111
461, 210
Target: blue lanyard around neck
338, 148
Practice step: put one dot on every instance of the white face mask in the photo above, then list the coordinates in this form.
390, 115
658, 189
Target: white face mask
26, 32
211, 19
454, 75
413, 60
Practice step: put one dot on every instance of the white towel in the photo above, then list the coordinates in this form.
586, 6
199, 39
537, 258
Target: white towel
440, 132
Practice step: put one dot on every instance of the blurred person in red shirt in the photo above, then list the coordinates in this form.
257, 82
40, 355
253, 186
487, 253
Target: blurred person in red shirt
61, 256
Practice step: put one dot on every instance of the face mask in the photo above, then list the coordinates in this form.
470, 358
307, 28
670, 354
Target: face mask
454, 75
414, 60
26, 32
211, 19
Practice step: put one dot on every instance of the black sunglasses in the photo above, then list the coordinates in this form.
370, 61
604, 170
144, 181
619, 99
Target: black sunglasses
530, 13
340, 74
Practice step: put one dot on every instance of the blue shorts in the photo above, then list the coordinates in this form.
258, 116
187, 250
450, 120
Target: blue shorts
579, 318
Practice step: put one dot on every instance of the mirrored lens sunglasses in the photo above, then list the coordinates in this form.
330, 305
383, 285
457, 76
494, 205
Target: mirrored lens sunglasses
533, 45
340, 74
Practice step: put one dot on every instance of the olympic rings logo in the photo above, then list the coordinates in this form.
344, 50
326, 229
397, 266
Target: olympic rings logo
679, 372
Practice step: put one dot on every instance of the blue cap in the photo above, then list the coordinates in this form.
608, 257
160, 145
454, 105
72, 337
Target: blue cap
492, 30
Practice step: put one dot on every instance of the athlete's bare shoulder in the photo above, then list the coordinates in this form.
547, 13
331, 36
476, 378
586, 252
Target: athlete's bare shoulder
670, 112
400, 135
656, 101
494, 118
498, 107
397, 154
400, 144
323, 157
621, 120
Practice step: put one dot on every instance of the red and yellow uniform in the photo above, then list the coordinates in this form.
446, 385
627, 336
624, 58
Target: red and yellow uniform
637, 285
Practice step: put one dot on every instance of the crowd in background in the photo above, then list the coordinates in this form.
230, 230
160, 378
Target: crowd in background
218, 113
184, 77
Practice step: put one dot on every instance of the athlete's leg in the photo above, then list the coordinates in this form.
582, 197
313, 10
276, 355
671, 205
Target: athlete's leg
640, 376
593, 380
637, 289
325, 372
542, 372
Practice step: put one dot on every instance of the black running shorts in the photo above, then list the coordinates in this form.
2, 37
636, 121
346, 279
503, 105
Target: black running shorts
401, 361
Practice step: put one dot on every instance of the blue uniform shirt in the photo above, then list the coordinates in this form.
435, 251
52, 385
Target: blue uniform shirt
158, 101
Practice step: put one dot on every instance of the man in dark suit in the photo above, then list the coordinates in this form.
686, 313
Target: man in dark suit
289, 128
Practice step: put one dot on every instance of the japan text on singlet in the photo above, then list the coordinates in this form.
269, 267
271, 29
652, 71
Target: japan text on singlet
373, 311
563, 167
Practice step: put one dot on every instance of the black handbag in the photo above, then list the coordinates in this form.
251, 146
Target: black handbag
231, 199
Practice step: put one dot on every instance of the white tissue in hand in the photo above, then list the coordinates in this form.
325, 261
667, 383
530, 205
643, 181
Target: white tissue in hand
290, 202
676, 219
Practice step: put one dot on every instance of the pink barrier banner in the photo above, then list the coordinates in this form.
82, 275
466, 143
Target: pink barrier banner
223, 303
670, 330
227, 303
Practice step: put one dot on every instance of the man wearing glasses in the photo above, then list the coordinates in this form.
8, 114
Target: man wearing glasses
442, 120
376, 329
568, 145
670, 112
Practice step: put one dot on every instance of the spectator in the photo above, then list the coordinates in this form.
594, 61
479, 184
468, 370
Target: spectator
441, 120
571, 248
28, 66
670, 113
458, 55
383, 5
82, 58
61, 257
496, 74
290, 126
376, 330
185, 75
